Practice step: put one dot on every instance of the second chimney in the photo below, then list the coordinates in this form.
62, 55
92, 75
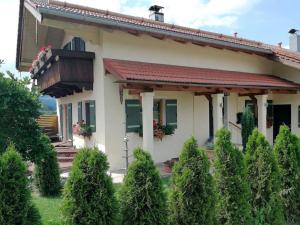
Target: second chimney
295, 40
156, 13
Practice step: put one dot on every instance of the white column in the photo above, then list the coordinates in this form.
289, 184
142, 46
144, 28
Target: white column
217, 111
147, 107
226, 111
262, 113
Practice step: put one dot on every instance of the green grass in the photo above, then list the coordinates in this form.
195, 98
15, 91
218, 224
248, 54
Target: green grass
49, 209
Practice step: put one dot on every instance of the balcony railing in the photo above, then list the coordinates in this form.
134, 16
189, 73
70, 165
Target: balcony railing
62, 72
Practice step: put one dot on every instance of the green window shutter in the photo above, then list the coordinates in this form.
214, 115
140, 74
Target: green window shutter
92, 113
133, 115
171, 113
79, 111
61, 119
70, 121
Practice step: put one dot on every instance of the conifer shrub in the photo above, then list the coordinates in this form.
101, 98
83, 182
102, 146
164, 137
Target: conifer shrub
248, 125
88, 197
143, 200
46, 174
232, 190
192, 198
286, 154
15, 198
263, 177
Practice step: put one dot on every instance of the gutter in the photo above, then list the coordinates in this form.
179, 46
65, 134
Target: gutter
151, 30
20, 31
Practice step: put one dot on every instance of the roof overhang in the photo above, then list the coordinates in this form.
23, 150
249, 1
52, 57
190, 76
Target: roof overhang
141, 75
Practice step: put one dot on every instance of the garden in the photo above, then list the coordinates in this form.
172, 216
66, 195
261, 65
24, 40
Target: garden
259, 184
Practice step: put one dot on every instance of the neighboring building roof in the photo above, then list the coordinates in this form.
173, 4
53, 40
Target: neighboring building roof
89, 15
141, 71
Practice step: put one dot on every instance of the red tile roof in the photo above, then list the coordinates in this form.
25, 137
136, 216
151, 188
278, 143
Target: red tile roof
64, 7
141, 71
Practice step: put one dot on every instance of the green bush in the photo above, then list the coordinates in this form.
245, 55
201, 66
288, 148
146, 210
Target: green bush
264, 180
15, 199
142, 198
248, 125
232, 190
286, 153
89, 192
19, 109
46, 172
192, 191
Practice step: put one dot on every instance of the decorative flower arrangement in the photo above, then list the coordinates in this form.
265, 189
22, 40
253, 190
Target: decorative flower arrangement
82, 129
40, 57
159, 131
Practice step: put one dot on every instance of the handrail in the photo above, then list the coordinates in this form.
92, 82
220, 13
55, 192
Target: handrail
236, 126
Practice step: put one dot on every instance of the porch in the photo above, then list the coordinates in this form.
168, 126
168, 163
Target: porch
206, 99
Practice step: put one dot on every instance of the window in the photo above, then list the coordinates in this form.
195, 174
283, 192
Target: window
77, 44
79, 111
133, 110
171, 113
253, 108
133, 115
90, 113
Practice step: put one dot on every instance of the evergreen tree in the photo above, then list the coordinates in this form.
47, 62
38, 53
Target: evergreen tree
232, 190
248, 125
89, 192
264, 180
286, 154
193, 192
15, 199
46, 172
142, 198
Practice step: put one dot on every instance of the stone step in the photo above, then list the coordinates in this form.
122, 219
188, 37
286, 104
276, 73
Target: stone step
65, 159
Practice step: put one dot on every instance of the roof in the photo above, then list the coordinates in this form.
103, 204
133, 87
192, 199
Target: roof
152, 72
138, 24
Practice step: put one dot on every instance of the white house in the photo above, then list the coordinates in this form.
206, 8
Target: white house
120, 73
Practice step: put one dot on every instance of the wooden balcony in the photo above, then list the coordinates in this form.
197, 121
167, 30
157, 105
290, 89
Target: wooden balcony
61, 72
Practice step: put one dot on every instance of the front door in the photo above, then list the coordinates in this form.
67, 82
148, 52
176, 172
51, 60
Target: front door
282, 115
69, 122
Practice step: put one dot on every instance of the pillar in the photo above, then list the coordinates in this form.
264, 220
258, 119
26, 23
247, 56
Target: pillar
262, 113
147, 108
217, 100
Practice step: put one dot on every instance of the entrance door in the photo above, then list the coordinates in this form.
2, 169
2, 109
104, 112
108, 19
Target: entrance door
282, 115
69, 122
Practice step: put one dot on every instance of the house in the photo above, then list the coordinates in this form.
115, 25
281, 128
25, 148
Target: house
146, 79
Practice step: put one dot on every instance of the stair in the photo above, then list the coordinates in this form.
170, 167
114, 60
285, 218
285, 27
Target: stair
65, 155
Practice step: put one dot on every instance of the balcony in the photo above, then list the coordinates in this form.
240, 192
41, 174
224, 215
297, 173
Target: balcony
62, 72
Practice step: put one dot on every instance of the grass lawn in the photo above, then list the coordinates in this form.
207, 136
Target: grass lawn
49, 208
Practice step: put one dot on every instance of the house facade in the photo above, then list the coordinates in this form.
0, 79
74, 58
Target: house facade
155, 83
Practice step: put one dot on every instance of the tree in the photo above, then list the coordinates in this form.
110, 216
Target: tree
89, 192
286, 154
15, 199
19, 109
193, 192
264, 180
46, 172
232, 190
248, 125
142, 198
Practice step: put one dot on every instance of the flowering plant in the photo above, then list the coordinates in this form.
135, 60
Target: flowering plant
81, 128
159, 131
41, 56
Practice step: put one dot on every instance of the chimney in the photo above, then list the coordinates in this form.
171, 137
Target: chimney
156, 13
294, 40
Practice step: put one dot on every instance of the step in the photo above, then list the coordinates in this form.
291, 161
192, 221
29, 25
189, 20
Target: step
65, 159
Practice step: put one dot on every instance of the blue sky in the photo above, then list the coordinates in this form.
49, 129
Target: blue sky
263, 20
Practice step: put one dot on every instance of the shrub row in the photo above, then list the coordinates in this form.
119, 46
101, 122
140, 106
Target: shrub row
261, 187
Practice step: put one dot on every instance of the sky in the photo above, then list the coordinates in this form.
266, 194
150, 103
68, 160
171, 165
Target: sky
263, 20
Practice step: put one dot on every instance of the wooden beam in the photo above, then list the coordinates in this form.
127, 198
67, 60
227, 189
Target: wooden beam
284, 92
